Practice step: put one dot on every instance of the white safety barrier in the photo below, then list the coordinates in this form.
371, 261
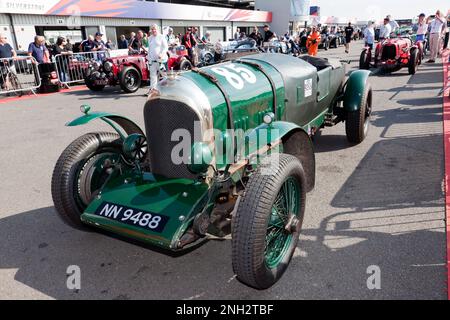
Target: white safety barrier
19, 75
118, 53
72, 67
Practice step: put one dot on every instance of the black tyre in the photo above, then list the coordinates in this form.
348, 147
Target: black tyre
364, 60
80, 172
208, 58
413, 61
89, 83
268, 221
185, 65
358, 122
130, 79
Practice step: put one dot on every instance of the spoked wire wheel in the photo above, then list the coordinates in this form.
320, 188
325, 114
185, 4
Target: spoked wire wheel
283, 216
268, 220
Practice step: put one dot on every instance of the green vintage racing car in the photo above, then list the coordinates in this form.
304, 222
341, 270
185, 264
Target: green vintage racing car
226, 151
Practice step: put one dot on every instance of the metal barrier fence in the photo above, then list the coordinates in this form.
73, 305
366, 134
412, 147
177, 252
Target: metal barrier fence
71, 68
19, 75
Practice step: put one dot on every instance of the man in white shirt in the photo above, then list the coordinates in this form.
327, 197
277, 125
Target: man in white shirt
157, 54
385, 30
394, 25
436, 28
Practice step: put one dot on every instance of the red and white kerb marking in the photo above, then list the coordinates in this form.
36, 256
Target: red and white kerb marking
446, 111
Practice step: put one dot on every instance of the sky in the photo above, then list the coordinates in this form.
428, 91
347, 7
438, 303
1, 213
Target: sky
378, 9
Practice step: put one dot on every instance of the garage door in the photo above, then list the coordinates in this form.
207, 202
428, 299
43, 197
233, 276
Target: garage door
217, 33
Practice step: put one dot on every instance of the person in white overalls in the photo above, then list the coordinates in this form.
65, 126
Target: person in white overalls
157, 54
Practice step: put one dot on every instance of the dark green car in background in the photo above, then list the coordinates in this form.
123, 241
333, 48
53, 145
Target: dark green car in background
226, 150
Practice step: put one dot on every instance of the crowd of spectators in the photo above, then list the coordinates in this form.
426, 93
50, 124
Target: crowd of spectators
432, 29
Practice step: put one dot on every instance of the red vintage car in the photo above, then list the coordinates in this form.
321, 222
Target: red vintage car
131, 70
393, 54
179, 59
128, 71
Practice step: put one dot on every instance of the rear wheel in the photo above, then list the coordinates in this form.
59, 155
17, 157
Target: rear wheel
364, 60
358, 122
268, 221
185, 65
130, 79
208, 58
413, 61
80, 172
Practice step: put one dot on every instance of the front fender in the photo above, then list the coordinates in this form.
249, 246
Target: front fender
275, 131
118, 123
294, 140
356, 84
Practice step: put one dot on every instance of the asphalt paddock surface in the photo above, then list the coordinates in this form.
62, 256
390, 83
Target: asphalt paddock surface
377, 204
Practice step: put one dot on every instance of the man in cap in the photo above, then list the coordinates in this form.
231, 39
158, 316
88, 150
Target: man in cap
99, 47
99, 44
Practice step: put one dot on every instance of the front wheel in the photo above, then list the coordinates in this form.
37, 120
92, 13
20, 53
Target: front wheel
90, 84
80, 172
268, 221
130, 79
358, 122
413, 61
364, 60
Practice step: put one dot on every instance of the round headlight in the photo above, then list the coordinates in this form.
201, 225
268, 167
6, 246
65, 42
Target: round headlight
108, 66
269, 118
135, 147
200, 159
96, 65
85, 108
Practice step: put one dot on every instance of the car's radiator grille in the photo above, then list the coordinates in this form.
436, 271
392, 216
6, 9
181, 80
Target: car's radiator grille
389, 52
162, 118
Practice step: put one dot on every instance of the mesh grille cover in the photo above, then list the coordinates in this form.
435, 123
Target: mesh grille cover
389, 52
162, 118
